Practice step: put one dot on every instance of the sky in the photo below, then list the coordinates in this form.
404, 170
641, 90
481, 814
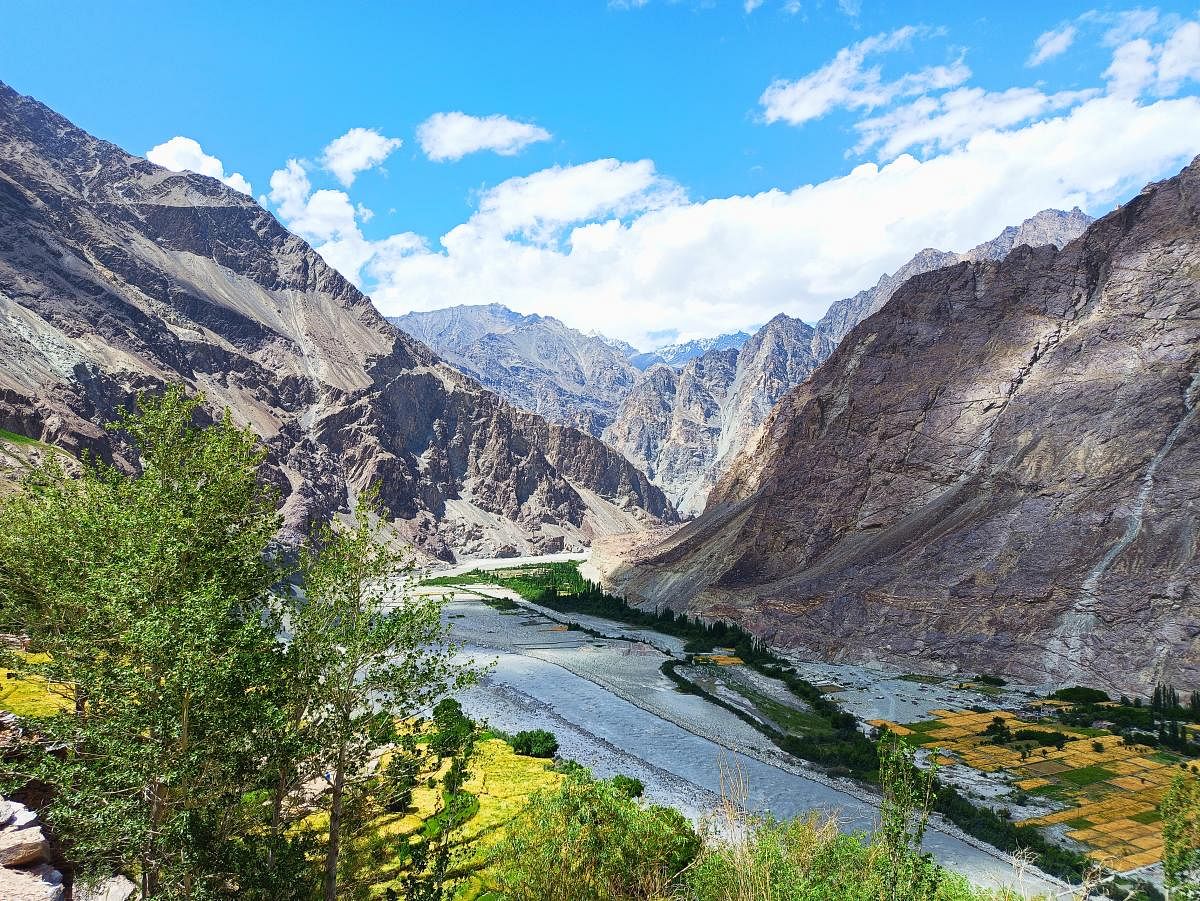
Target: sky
652, 170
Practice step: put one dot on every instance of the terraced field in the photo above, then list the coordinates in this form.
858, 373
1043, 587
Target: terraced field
1110, 790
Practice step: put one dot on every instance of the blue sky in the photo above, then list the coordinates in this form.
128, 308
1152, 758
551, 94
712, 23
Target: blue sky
666, 189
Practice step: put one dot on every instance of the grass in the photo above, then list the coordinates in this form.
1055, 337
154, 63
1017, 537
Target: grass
921, 678
14, 438
1087, 775
789, 718
1147, 818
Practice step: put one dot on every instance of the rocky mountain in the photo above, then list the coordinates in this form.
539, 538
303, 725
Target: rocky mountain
678, 355
683, 427
535, 362
1057, 227
117, 276
997, 472
685, 439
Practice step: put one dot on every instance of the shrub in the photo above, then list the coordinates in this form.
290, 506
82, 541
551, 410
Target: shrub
587, 841
535, 743
628, 786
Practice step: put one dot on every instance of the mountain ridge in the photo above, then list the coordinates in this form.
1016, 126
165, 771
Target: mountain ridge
118, 276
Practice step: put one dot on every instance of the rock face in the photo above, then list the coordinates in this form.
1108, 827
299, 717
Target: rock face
117, 276
683, 427
998, 472
684, 433
1047, 227
535, 362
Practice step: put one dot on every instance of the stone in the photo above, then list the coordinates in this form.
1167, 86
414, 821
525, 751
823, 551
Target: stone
41, 883
118, 888
19, 847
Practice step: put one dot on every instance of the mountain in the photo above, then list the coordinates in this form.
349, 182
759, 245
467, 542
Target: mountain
1055, 227
678, 355
685, 438
997, 472
682, 427
118, 276
535, 362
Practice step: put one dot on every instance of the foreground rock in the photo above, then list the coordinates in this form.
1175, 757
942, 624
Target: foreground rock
25, 871
998, 472
117, 276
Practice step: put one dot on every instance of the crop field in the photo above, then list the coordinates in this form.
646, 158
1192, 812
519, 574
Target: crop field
1111, 790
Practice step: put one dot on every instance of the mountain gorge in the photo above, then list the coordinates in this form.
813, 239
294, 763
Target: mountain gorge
118, 276
684, 431
994, 472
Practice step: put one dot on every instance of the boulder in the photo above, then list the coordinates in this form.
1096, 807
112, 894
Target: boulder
22, 846
41, 883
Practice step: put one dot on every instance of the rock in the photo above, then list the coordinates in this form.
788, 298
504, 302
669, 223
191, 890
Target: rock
117, 275
118, 888
535, 362
1003, 462
19, 847
41, 883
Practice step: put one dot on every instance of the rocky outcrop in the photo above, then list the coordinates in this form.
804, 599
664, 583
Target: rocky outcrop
686, 442
1056, 227
535, 362
683, 428
25, 870
118, 276
996, 472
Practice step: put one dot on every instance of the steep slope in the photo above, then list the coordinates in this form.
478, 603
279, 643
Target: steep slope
683, 428
694, 443
117, 276
1055, 227
996, 472
535, 362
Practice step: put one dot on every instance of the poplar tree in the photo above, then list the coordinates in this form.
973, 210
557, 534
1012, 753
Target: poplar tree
144, 600
371, 653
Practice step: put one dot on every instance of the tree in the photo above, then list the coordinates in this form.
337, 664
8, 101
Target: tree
908, 798
535, 743
144, 598
1180, 811
371, 652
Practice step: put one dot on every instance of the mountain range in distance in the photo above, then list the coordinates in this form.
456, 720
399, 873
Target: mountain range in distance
683, 412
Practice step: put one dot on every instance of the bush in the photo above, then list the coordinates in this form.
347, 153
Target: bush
1079, 694
628, 786
535, 743
587, 841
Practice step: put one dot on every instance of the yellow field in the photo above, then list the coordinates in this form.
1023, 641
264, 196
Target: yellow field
718, 659
1109, 792
30, 696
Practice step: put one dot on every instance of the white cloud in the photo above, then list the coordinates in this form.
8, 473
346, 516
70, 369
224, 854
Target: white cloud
940, 123
326, 219
356, 151
1051, 44
726, 263
750, 6
846, 83
182, 154
451, 136
851, 8
1164, 68
1122, 26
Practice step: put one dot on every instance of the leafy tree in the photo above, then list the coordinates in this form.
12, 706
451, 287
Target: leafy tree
372, 651
629, 786
908, 797
144, 598
535, 743
1180, 811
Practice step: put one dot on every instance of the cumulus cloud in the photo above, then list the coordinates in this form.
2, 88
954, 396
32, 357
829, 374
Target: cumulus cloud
726, 263
451, 136
846, 82
1051, 44
356, 151
182, 154
937, 123
1164, 68
327, 219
